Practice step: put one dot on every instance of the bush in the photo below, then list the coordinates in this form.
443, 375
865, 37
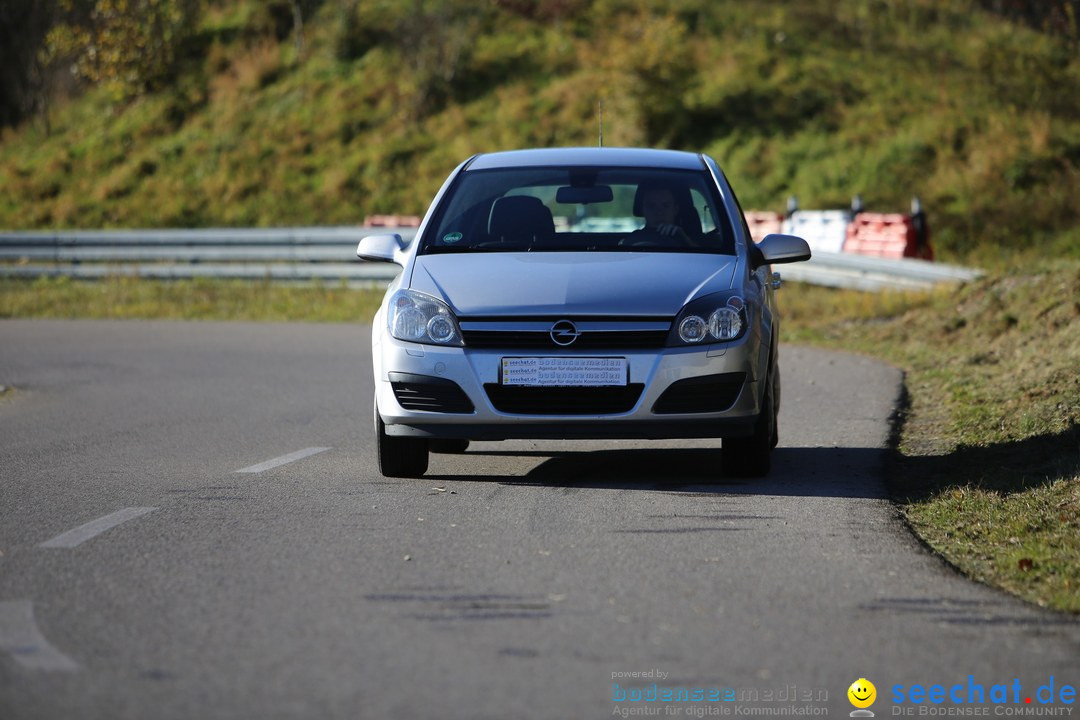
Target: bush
130, 46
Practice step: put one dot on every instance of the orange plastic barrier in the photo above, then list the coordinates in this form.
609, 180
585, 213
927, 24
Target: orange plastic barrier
762, 223
889, 235
392, 221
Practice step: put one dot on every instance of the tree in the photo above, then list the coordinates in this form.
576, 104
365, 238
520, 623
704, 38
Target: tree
23, 24
130, 46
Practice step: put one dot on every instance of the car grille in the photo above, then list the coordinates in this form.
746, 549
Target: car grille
706, 394
420, 392
564, 400
535, 334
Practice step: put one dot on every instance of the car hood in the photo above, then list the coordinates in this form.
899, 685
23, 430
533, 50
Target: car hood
631, 284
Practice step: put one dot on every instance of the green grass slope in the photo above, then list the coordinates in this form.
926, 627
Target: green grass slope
988, 468
977, 115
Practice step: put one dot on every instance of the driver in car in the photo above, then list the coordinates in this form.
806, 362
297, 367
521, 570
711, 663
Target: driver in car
663, 224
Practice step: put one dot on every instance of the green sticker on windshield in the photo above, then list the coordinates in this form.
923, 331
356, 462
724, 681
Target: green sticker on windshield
451, 238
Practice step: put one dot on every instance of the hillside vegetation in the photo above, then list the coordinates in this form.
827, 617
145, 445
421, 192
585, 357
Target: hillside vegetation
372, 103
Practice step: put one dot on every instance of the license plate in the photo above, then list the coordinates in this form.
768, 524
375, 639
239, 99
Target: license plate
564, 371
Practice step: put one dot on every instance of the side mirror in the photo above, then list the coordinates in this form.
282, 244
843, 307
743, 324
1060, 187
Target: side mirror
776, 248
382, 248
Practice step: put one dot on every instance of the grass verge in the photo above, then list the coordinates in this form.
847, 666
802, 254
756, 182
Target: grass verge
196, 299
987, 469
988, 464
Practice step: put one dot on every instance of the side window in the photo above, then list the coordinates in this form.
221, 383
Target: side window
704, 210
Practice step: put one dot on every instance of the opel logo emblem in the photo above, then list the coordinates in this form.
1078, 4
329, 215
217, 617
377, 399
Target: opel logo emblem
564, 333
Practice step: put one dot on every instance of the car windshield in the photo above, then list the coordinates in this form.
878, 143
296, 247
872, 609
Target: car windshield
559, 209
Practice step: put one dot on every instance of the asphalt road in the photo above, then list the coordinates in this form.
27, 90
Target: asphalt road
143, 576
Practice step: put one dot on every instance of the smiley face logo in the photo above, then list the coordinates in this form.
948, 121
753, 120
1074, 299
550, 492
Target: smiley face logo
862, 693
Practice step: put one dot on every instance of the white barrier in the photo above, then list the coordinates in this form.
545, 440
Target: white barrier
823, 230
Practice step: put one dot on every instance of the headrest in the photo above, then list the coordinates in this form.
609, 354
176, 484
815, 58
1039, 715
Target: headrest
521, 217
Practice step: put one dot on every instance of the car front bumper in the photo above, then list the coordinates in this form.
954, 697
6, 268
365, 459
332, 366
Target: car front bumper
453, 392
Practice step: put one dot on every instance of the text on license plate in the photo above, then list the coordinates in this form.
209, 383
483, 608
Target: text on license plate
564, 371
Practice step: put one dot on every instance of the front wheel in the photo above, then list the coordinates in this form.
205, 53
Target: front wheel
400, 457
752, 456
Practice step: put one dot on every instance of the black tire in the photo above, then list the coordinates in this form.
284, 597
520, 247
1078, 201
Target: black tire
448, 446
400, 457
752, 456
776, 408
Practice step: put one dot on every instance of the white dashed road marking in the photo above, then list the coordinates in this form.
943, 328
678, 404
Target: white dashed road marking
19, 636
95, 527
284, 459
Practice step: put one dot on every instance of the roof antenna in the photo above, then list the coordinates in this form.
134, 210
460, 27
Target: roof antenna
600, 117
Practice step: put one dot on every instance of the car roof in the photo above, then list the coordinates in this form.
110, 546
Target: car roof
589, 157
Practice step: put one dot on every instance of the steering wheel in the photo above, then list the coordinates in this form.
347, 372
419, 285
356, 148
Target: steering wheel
647, 237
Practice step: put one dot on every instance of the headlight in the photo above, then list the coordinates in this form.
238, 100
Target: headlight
716, 318
725, 324
692, 329
419, 318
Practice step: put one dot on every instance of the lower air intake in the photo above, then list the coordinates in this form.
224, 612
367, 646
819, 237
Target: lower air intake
429, 394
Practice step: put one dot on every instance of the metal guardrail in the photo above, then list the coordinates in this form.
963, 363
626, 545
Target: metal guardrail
329, 254
294, 254
862, 272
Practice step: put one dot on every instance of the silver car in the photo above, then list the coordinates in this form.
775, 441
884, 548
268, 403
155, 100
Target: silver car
579, 293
